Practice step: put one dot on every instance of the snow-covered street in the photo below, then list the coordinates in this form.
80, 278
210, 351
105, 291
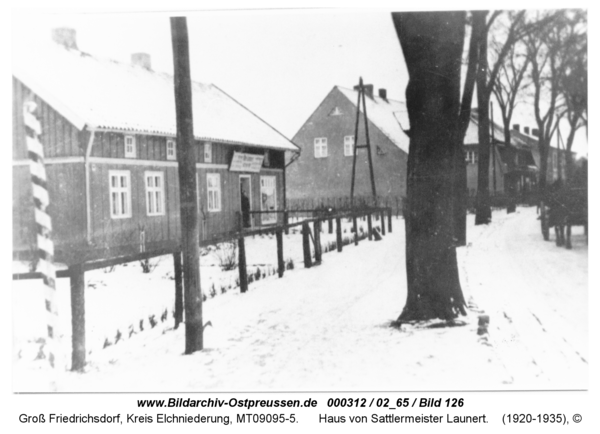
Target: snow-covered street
536, 294
327, 328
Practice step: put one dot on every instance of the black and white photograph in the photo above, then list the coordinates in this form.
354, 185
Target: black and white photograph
300, 200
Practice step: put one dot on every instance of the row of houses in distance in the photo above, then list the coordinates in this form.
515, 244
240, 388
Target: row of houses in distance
109, 136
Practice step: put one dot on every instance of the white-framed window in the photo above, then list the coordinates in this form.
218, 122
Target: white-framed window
155, 193
119, 182
129, 146
171, 150
320, 147
213, 189
268, 199
207, 152
348, 146
471, 157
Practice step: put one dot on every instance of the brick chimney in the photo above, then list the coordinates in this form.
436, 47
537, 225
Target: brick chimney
526, 130
535, 132
141, 59
383, 94
517, 127
66, 37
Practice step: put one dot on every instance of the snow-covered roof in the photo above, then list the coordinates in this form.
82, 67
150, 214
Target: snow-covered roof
517, 138
106, 94
389, 115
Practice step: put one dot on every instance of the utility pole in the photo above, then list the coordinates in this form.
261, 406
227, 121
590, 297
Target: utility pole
186, 157
367, 145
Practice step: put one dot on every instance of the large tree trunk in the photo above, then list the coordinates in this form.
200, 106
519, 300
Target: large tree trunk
432, 46
483, 213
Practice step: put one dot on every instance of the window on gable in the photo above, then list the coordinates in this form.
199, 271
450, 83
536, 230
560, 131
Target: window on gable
120, 193
129, 146
267, 159
348, 146
171, 150
155, 193
471, 157
207, 152
336, 112
213, 187
321, 147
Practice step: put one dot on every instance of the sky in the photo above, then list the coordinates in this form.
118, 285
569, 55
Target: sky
279, 63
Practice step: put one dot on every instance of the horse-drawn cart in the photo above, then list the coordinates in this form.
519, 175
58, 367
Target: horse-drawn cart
563, 207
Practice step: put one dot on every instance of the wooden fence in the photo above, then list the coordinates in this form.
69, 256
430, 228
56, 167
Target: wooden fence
343, 203
311, 223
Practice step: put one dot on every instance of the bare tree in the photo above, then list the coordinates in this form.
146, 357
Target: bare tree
549, 51
432, 43
508, 89
516, 30
510, 83
574, 81
460, 170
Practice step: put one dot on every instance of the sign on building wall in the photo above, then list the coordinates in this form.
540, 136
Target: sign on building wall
246, 162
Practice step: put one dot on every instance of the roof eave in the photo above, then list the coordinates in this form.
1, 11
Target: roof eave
75, 119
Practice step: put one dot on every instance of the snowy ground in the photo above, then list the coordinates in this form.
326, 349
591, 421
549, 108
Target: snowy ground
327, 328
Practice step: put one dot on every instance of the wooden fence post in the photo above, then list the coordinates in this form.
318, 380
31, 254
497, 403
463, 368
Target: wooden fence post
280, 262
177, 270
355, 227
390, 220
338, 234
317, 240
77, 317
242, 265
306, 245
370, 226
382, 220
330, 225
286, 218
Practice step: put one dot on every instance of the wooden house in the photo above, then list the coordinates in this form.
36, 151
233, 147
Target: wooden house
109, 138
525, 172
324, 168
498, 167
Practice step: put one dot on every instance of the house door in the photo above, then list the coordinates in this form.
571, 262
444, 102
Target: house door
246, 200
268, 199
